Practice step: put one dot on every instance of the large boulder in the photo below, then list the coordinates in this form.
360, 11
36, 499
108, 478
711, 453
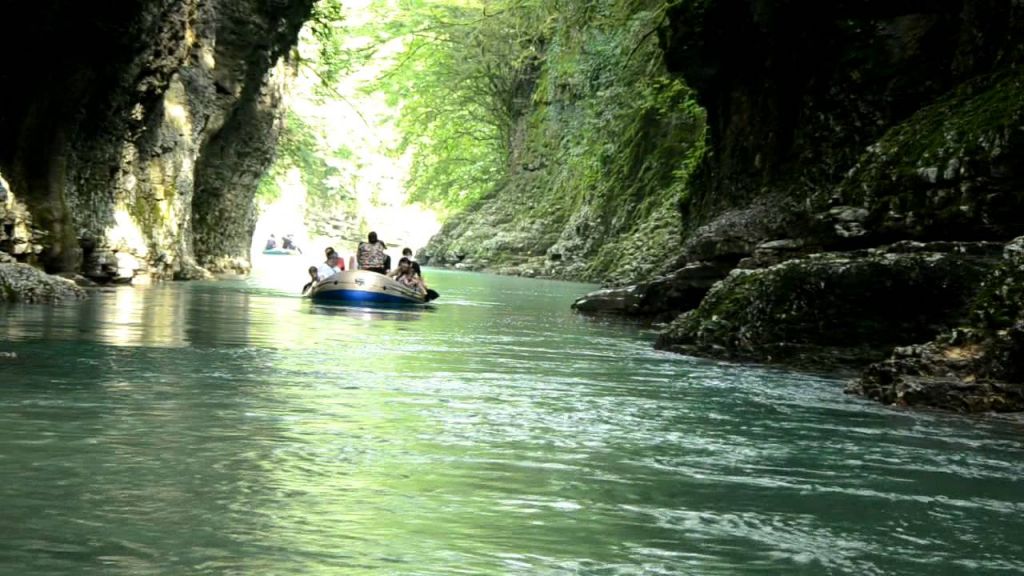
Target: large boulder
23, 283
835, 308
975, 368
667, 295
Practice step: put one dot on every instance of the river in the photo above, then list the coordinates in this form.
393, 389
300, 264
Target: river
231, 427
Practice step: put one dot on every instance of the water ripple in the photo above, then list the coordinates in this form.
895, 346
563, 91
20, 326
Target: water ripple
232, 428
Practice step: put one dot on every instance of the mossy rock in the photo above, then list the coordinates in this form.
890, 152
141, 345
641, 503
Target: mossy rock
845, 307
953, 170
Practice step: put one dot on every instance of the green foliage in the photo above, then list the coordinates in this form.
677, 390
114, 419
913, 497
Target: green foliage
556, 115
604, 151
463, 77
302, 146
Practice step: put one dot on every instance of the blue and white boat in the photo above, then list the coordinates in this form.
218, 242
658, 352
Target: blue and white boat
362, 287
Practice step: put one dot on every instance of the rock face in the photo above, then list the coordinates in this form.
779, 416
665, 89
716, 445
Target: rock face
864, 160
818, 88
137, 151
23, 283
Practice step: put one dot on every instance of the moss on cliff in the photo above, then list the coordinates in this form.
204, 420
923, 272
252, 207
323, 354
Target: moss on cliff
950, 170
598, 164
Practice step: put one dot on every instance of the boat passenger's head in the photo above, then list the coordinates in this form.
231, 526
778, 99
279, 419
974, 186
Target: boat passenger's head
372, 237
407, 252
404, 264
312, 272
333, 258
328, 251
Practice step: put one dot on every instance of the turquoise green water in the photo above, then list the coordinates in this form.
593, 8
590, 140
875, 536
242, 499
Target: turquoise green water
232, 428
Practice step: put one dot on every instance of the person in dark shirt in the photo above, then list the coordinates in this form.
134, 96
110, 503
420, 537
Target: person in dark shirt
407, 253
314, 277
371, 255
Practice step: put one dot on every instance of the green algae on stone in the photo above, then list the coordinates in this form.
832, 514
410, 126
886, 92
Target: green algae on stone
862, 302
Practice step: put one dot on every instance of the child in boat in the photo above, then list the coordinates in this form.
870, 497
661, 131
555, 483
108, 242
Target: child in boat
405, 275
314, 277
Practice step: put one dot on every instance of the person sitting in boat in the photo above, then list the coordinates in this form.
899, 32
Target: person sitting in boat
288, 243
314, 277
271, 243
341, 261
331, 266
407, 253
371, 256
405, 275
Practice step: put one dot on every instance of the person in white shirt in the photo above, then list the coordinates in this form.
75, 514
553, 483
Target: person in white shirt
330, 267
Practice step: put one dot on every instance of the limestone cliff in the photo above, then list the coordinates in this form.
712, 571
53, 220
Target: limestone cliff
136, 150
841, 134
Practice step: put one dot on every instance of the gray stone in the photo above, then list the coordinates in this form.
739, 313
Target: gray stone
23, 283
625, 301
78, 279
848, 214
666, 296
930, 175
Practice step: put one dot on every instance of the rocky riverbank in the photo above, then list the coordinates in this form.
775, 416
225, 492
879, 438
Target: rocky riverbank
866, 201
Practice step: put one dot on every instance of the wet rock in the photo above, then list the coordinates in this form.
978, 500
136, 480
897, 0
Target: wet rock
625, 301
8, 356
193, 272
23, 283
78, 279
978, 367
664, 296
831, 307
956, 377
126, 266
775, 252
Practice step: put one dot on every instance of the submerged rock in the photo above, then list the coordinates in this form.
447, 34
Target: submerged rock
23, 283
831, 308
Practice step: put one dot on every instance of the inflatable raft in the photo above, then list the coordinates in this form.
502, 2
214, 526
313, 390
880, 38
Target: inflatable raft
362, 287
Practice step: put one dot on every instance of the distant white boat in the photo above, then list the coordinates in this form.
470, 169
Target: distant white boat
364, 287
281, 252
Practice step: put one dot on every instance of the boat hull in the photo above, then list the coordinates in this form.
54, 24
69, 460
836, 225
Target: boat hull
361, 287
281, 252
